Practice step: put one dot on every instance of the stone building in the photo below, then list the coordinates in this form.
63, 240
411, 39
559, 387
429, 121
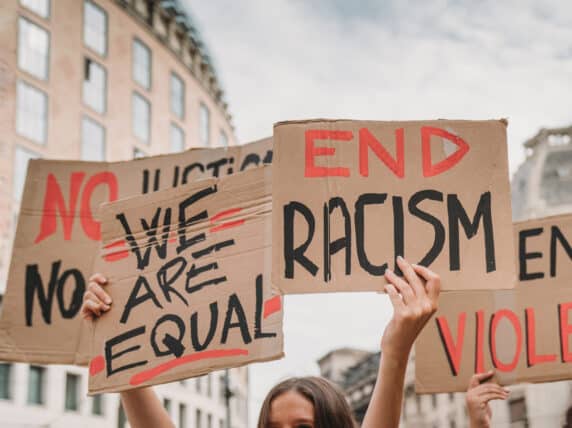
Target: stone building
103, 80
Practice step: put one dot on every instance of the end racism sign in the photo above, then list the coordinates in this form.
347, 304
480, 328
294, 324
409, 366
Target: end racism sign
525, 333
351, 196
189, 276
59, 233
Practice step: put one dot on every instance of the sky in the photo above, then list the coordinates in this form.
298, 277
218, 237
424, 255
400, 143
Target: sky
383, 60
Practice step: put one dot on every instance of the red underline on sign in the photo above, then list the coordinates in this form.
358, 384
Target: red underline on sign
116, 255
96, 365
272, 306
227, 225
146, 375
225, 214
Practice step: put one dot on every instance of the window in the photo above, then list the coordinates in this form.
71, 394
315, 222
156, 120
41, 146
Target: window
517, 410
95, 28
72, 392
434, 400
204, 125
39, 7
222, 389
221, 423
198, 384
141, 64
177, 139
94, 85
21, 158
32, 112
36, 385
137, 154
209, 421
141, 118
97, 405
198, 419
33, 49
92, 140
182, 416
5, 381
167, 405
209, 385
177, 96
121, 417
223, 139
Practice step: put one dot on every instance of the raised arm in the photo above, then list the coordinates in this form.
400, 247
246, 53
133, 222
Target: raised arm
142, 406
414, 299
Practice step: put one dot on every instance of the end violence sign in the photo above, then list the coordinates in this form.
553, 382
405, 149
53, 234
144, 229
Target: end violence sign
191, 292
524, 333
350, 196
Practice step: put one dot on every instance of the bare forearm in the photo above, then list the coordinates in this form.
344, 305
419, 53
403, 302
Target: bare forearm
384, 408
144, 409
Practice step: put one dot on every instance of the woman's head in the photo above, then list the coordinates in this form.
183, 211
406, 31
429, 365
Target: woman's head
310, 402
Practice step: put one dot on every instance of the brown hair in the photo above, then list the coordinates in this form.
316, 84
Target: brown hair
331, 410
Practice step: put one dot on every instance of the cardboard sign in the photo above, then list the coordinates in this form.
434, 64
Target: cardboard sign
350, 196
525, 333
189, 276
58, 236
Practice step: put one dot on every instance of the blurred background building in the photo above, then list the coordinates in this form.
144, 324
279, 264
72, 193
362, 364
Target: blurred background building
103, 80
541, 186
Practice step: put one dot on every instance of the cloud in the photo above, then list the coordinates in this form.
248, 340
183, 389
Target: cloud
418, 59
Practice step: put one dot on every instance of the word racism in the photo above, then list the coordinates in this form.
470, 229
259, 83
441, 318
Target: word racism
189, 295
59, 232
525, 333
353, 219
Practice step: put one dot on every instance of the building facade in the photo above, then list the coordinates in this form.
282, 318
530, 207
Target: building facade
103, 80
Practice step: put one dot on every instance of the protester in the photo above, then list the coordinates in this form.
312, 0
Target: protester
312, 402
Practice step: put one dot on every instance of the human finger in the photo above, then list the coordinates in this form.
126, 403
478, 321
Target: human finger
479, 378
487, 388
402, 286
98, 278
432, 281
94, 300
98, 291
394, 297
411, 276
493, 396
92, 308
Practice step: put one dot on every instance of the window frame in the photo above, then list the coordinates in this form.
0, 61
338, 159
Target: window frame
75, 405
136, 94
203, 108
176, 129
175, 77
8, 379
35, 12
42, 377
83, 19
83, 99
101, 399
44, 138
137, 40
85, 119
45, 78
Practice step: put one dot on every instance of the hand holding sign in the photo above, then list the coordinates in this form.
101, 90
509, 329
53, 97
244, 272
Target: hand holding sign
481, 391
95, 300
414, 300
